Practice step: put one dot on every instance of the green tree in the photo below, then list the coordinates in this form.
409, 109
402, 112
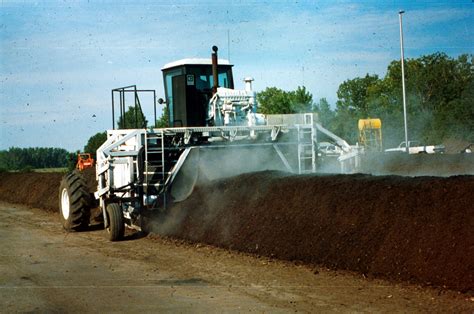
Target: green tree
353, 95
33, 157
439, 100
72, 160
133, 118
301, 100
354, 102
163, 122
276, 101
439, 103
94, 142
325, 114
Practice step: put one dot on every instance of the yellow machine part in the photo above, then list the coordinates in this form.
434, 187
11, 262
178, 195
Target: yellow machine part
370, 124
370, 134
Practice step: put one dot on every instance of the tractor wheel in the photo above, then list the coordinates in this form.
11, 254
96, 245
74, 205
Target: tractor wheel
116, 226
74, 202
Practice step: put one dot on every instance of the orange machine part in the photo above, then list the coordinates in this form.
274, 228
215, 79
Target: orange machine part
84, 161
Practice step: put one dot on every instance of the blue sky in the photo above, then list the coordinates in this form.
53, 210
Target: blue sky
60, 59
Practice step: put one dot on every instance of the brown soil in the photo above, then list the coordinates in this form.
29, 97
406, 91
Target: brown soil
35, 189
397, 228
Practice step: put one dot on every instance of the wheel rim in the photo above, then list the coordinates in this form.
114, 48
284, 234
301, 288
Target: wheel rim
65, 203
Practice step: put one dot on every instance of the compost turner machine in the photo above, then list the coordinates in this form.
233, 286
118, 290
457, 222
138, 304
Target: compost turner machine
214, 131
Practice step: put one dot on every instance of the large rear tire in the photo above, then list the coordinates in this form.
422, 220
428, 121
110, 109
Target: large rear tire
74, 202
116, 225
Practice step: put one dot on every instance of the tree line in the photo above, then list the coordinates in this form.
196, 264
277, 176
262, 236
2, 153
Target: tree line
440, 101
34, 157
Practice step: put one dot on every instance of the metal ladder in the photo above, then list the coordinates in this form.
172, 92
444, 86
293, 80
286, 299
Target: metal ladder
155, 171
306, 145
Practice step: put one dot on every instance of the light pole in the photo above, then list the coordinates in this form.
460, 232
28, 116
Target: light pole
403, 80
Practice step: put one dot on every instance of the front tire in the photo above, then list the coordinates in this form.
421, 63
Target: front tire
74, 202
116, 225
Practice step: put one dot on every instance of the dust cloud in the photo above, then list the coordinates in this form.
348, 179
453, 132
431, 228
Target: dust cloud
208, 166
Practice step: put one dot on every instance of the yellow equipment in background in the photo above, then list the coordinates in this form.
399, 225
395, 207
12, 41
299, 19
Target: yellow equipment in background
370, 134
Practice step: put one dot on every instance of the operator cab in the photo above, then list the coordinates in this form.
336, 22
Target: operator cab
189, 87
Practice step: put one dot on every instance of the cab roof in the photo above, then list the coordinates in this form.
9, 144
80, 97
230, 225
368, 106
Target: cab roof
194, 61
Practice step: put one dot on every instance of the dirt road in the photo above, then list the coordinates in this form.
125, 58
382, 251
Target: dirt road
42, 268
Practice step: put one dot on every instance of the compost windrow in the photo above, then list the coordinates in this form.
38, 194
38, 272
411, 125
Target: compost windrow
400, 228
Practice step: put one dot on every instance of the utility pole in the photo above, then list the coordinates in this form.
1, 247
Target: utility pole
403, 80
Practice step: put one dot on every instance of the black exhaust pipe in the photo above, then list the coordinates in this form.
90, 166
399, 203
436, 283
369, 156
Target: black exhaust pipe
214, 70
